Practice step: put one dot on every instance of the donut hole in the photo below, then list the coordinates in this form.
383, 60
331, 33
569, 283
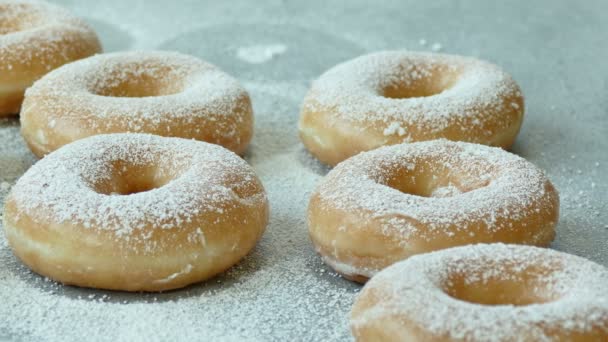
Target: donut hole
500, 285
141, 82
125, 178
431, 180
418, 83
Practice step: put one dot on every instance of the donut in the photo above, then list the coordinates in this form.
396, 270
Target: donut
393, 97
156, 92
36, 37
385, 205
485, 292
135, 212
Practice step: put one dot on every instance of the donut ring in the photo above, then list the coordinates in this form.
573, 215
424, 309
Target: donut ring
482, 292
388, 204
392, 97
135, 212
36, 37
162, 93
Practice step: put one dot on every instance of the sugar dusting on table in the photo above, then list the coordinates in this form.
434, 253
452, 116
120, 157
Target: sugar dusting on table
282, 291
257, 54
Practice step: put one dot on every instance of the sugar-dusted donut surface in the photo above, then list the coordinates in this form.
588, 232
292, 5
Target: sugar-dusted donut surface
156, 92
388, 204
135, 212
35, 38
392, 97
490, 292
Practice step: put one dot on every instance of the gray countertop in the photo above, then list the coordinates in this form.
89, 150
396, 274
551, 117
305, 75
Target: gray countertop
556, 50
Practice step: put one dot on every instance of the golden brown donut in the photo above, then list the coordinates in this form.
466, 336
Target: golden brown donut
135, 212
36, 37
491, 292
156, 92
392, 97
388, 204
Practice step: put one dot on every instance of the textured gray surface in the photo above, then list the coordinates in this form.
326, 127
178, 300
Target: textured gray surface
556, 50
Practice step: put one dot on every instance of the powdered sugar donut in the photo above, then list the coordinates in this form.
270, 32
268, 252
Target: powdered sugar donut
482, 292
388, 204
157, 92
393, 97
135, 212
36, 37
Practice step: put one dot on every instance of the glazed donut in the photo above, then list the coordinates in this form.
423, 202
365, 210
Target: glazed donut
392, 97
388, 204
36, 37
135, 212
156, 92
483, 292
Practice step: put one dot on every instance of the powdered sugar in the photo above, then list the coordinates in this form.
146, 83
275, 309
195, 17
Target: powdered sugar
18, 18
394, 128
63, 187
257, 54
502, 185
436, 47
50, 28
416, 289
195, 89
354, 91
283, 292
414, 198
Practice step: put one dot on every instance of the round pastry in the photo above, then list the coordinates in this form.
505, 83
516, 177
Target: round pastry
392, 97
135, 212
388, 204
483, 292
36, 37
157, 92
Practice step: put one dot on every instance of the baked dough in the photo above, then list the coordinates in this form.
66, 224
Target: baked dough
491, 292
135, 212
35, 38
392, 97
388, 204
156, 92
